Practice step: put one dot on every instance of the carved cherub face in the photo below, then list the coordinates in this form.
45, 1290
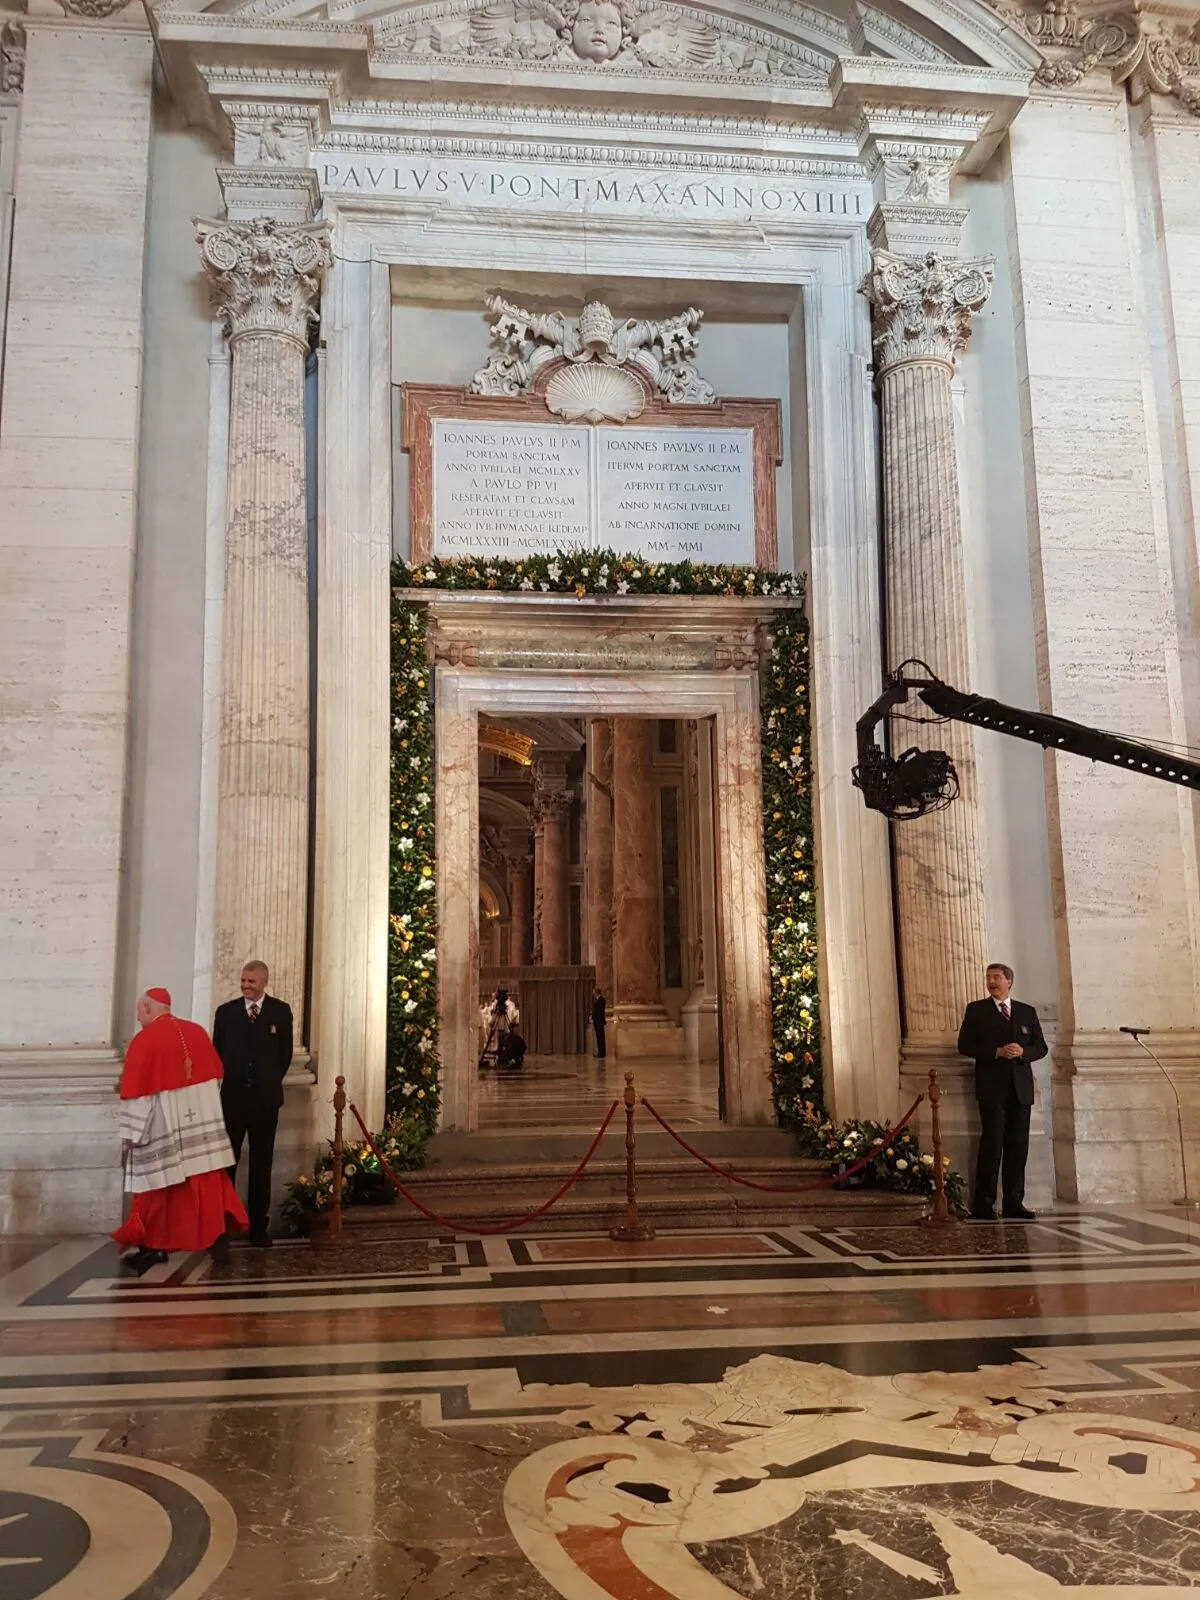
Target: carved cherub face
597, 31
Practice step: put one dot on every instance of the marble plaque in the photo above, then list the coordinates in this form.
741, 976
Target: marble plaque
510, 490
518, 489
678, 494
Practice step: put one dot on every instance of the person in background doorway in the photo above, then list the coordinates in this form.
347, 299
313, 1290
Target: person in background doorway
1004, 1038
174, 1144
599, 1020
253, 1037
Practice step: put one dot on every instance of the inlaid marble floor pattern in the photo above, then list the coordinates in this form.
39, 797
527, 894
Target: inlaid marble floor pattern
894, 1413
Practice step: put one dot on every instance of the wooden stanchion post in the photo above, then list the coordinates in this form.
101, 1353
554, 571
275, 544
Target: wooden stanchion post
339, 1154
939, 1215
633, 1229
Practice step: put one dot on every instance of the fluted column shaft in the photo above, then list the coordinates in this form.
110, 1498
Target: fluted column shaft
922, 309
637, 952
265, 278
600, 852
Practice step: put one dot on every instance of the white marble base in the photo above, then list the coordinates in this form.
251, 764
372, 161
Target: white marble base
60, 1152
640, 1033
699, 1017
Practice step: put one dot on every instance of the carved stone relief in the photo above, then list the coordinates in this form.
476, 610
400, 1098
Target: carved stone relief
527, 341
92, 8
12, 58
637, 35
922, 307
265, 276
1152, 54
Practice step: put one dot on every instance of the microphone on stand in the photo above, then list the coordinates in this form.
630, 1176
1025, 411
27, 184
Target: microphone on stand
1186, 1199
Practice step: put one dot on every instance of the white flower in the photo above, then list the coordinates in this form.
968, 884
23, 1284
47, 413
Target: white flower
525, 583
544, 587
673, 586
926, 1161
414, 762
636, 573
429, 957
805, 1001
422, 1046
806, 1083
406, 918
409, 1088
400, 723
851, 1138
425, 883
584, 572
802, 927
901, 1164
604, 570
422, 800
404, 844
602, 583
622, 587
430, 574
555, 571
409, 1007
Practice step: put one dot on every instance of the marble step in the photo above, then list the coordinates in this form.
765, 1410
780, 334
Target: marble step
714, 1205
655, 1174
537, 1146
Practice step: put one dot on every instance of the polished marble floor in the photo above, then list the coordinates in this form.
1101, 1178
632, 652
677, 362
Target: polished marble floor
569, 1093
995, 1411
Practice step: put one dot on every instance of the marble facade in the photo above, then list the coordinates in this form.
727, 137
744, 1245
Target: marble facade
840, 166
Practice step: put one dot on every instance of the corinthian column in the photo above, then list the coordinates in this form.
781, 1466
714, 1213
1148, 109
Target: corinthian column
922, 309
265, 278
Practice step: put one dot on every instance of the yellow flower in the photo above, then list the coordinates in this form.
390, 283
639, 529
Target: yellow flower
788, 1056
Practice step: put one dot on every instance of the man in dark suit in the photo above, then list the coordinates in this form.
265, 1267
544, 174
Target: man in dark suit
1004, 1038
253, 1037
599, 1019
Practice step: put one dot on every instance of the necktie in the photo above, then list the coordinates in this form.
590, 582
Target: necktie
254, 1011
1004, 1009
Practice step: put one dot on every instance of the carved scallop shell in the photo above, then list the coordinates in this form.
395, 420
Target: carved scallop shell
594, 392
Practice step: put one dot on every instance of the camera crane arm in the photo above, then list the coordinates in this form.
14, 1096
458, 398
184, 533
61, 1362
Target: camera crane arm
924, 780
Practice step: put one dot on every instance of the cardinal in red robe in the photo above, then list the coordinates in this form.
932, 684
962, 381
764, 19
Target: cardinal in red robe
173, 1138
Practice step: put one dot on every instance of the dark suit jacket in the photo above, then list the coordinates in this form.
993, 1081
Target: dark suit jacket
256, 1055
982, 1033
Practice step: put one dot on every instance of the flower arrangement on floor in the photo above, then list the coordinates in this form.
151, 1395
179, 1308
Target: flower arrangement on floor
364, 1182
897, 1164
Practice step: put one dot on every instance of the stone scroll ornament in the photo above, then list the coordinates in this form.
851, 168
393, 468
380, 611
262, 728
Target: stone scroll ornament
1148, 53
923, 305
265, 275
597, 383
597, 34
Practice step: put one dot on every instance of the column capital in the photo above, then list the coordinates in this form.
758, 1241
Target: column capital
265, 276
922, 306
551, 804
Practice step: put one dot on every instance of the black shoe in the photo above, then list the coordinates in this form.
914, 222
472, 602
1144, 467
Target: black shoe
139, 1262
983, 1216
219, 1251
259, 1241
1019, 1214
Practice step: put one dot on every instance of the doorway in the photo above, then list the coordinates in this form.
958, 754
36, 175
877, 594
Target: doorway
665, 1000
597, 919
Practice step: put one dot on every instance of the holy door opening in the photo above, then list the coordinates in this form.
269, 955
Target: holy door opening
598, 919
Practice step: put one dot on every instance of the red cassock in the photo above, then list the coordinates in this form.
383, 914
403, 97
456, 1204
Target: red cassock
179, 1135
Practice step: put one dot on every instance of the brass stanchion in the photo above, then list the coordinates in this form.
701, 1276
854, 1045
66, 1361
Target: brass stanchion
633, 1229
339, 1109
940, 1213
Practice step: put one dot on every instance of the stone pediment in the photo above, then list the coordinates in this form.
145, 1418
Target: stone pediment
592, 37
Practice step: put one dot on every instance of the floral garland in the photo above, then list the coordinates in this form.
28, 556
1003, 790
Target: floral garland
412, 1058
364, 1183
593, 572
791, 898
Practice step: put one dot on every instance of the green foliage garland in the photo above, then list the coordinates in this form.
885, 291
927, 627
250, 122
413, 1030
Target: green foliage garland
598, 573
364, 1183
412, 1058
791, 896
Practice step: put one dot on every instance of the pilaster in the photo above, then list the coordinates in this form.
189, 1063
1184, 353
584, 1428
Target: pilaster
68, 529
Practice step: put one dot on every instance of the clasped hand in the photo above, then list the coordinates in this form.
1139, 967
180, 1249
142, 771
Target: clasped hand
1009, 1052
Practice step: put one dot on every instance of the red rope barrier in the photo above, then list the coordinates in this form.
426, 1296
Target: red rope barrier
470, 1227
775, 1188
